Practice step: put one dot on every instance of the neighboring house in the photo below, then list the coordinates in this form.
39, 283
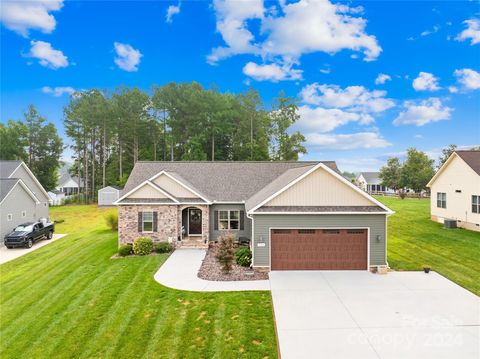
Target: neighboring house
370, 182
297, 215
22, 197
57, 197
108, 195
455, 190
69, 184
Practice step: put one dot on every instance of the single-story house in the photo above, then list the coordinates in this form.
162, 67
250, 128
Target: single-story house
68, 184
455, 190
370, 182
108, 195
296, 215
22, 197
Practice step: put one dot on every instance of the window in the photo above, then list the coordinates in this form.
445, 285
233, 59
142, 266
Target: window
476, 204
281, 231
147, 222
331, 231
355, 231
441, 200
9, 217
24, 213
229, 220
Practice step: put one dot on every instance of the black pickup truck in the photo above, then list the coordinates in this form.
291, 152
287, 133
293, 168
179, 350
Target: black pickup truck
26, 234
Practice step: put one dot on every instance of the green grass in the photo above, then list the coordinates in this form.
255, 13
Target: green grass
414, 240
70, 300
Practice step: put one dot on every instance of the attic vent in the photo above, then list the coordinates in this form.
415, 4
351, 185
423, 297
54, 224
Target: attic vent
458, 190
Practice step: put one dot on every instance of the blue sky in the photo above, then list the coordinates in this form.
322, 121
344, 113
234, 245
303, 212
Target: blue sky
372, 78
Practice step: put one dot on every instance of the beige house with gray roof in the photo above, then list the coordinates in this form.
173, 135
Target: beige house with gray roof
294, 215
455, 190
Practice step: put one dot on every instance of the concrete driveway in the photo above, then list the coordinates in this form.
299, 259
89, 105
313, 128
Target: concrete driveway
363, 315
7, 255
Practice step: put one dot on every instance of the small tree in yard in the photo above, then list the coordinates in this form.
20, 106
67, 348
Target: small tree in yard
226, 252
417, 170
390, 174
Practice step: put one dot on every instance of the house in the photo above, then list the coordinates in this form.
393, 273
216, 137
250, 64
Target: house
296, 215
455, 190
68, 184
370, 182
108, 195
57, 197
22, 197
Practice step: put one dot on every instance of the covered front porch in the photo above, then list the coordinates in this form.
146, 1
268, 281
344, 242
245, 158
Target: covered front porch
193, 223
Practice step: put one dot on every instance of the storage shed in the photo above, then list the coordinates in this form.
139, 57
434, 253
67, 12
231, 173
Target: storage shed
108, 195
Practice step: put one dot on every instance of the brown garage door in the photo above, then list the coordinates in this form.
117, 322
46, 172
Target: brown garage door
320, 249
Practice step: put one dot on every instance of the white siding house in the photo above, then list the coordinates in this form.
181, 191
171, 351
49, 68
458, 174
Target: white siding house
370, 182
455, 190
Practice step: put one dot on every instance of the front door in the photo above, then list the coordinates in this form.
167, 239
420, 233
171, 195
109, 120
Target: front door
194, 221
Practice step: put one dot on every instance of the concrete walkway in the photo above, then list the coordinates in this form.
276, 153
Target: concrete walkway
6, 255
180, 272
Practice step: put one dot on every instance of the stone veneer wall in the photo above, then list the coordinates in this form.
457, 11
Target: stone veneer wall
167, 225
205, 220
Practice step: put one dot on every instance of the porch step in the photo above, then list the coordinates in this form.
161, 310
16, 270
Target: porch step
193, 245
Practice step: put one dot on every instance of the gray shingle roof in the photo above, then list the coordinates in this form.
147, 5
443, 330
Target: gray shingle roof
219, 181
371, 177
472, 158
332, 209
7, 168
6, 185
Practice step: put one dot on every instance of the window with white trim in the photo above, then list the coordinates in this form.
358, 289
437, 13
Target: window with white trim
476, 203
147, 221
441, 200
9, 217
229, 220
24, 214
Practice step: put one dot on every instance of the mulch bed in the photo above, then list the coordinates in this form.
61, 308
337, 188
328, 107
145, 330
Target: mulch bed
211, 270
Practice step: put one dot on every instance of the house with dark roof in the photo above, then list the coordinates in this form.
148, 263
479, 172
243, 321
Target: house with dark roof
455, 190
370, 182
69, 184
22, 197
294, 215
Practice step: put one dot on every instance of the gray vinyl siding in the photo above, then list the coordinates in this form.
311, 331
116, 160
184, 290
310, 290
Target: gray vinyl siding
262, 224
31, 184
17, 201
247, 229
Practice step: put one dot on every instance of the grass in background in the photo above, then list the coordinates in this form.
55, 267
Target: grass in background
414, 240
70, 300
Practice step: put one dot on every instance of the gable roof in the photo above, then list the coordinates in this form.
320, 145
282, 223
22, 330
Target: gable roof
219, 181
8, 184
8, 167
471, 158
370, 176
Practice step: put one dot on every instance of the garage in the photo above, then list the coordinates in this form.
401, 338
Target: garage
319, 249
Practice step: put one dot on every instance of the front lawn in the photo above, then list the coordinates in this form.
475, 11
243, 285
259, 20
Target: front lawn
69, 299
415, 240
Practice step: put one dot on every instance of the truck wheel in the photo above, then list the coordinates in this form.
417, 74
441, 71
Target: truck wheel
29, 243
50, 235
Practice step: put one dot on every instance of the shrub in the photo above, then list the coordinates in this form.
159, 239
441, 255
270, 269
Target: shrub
125, 250
142, 246
225, 254
112, 220
402, 194
162, 247
243, 257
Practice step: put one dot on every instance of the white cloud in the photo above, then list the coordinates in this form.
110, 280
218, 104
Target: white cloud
432, 31
426, 81
319, 119
472, 32
468, 78
127, 58
353, 98
289, 32
47, 56
351, 141
273, 72
58, 91
382, 78
452, 89
426, 111
326, 70
22, 16
171, 11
